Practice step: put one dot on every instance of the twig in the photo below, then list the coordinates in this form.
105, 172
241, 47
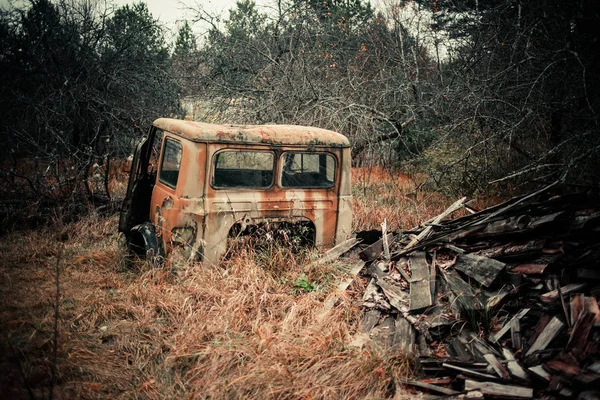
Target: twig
56, 315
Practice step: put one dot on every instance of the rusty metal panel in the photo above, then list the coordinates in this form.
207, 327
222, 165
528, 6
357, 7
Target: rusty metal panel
195, 218
252, 134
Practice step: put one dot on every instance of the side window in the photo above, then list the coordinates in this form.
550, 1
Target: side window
243, 169
171, 162
308, 170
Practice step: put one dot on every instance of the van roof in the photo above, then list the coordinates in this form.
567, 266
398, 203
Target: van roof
267, 134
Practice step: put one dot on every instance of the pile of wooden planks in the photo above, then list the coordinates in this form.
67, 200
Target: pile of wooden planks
498, 303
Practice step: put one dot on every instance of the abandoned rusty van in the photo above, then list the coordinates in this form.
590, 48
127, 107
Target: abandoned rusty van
194, 185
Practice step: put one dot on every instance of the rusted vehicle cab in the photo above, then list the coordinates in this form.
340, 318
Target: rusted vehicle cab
194, 185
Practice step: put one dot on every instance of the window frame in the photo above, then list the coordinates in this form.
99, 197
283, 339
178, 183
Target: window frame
213, 168
318, 153
162, 161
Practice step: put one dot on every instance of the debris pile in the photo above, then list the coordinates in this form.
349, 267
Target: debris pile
499, 303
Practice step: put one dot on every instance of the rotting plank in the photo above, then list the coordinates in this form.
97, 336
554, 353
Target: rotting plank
496, 336
462, 290
498, 390
529, 269
554, 294
398, 298
484, 270
345, 283
370, 319
579, 335
404, 336
335, 252
467, 371
420, 286
429, 386
496, 365
374, 250
540, 372
515, 333
455, 206
513, 366
544, 339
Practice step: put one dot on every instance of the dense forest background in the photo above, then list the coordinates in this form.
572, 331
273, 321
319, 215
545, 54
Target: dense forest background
481, 95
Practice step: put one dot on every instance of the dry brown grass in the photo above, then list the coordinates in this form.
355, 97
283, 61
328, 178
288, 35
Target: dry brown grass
254, 326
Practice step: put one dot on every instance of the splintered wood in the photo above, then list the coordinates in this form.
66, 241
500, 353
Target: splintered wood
502, 302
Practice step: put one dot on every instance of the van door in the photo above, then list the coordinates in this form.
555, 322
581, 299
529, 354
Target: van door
135, 209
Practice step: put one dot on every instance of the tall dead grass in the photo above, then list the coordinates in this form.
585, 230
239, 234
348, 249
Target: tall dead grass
253, 326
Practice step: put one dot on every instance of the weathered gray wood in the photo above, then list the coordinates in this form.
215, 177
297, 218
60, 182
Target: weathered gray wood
386, 243
529, 269
429, 386
420, 287
467, 372
383, 334
462, 290
544, 339
539, 328
513, 366
540, 372
374, 250
496, 336
335, 252
405, 335
478, 343
496, 365
484, 270
370, 319
455, 206
498, 390
554, 294
398, 298
515, 334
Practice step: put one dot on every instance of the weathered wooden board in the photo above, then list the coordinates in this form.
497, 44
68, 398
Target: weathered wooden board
370, 319
513, 366
429, 386
544, 339
496, 336
335, 252
467, 372
484, 270
579, 335
576, 306
554, 294
498, 390
375, 250
404, 337
398, 298
496, 365
462, 290
530, 269
420, 286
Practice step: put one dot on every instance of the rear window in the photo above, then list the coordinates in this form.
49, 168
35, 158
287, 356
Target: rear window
243, 169
308, 170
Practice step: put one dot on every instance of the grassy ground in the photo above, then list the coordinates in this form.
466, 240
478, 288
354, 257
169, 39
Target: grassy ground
253, 326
